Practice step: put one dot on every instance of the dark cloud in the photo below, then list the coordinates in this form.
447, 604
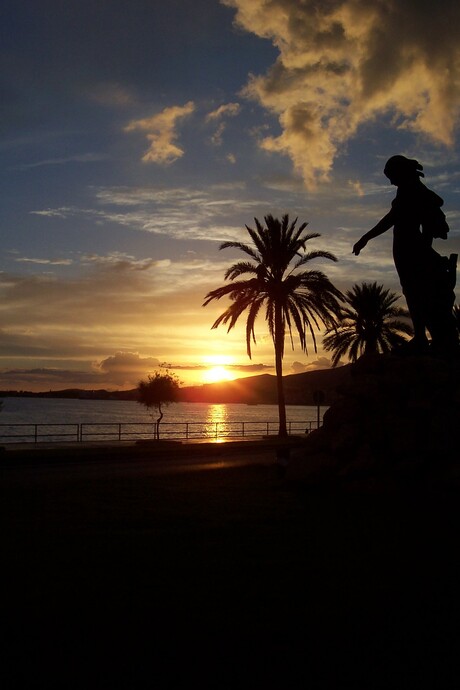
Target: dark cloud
121, 370
320, 363
249, 368
127, 363
43, 379
343, 63
244, 368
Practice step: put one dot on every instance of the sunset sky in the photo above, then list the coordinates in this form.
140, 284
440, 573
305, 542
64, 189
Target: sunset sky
137, 136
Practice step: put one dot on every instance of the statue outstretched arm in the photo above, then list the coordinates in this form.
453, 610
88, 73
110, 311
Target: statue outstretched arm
382, 226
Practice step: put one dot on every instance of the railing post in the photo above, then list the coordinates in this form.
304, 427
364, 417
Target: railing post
36, 433
119, 431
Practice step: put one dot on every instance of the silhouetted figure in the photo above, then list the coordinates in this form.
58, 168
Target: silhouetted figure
427, 279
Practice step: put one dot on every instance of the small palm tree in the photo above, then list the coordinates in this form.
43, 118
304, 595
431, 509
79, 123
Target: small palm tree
370, 324
292, 297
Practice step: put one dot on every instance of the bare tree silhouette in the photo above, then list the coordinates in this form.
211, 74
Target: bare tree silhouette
161, 389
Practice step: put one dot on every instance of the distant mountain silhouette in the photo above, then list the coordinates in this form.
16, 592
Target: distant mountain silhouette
261, 389
254, 390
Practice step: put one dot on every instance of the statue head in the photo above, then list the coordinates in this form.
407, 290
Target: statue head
400, 169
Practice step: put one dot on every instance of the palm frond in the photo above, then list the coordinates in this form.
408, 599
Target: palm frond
371, 322
238, 269
310, 256
293, 300
242, 247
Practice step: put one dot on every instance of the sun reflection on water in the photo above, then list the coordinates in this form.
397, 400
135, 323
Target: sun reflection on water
217, 422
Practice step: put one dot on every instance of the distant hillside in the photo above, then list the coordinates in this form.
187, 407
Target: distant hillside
74, 393
299, 388
253, 390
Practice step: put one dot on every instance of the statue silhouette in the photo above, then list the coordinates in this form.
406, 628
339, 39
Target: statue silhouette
427, 278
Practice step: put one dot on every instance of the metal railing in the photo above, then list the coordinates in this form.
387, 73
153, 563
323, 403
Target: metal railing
130, 431
33, 433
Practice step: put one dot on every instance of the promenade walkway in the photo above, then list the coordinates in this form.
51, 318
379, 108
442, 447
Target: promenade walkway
164, 455
126, 568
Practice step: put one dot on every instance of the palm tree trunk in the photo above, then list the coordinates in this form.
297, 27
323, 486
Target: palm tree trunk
278, 343
371, 347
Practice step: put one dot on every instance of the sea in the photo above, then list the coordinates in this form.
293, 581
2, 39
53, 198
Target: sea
39, 420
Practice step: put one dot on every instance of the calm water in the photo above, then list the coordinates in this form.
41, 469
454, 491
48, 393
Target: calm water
101, 420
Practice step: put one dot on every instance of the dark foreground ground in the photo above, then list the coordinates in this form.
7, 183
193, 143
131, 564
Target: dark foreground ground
121, 573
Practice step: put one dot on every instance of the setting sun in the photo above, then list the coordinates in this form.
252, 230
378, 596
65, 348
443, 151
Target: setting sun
219, 373
217, 370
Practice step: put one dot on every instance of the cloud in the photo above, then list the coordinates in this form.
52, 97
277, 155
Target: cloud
161, 133
317, 364
45, 262
46, 378
62, 212
117, 303
244, 368
217, 137
298, 367
357, 187
126, 368
181, 212
217, 115
226, 110
77, 158
118, 261
122, 370
343, 63
249, 368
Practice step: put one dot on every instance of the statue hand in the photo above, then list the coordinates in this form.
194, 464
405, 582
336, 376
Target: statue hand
360, 244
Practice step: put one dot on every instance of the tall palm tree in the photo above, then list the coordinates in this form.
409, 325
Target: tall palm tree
302, 299
369, 324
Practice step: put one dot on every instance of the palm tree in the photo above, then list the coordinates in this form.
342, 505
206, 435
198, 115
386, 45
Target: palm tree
370, 324
292, 297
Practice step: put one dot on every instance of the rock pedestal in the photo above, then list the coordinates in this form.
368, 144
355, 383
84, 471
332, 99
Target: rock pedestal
397, 411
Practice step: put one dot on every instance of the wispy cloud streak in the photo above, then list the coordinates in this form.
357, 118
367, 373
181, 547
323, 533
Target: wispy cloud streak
180, 213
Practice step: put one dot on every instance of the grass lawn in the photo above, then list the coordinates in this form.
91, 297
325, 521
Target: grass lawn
117, 574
